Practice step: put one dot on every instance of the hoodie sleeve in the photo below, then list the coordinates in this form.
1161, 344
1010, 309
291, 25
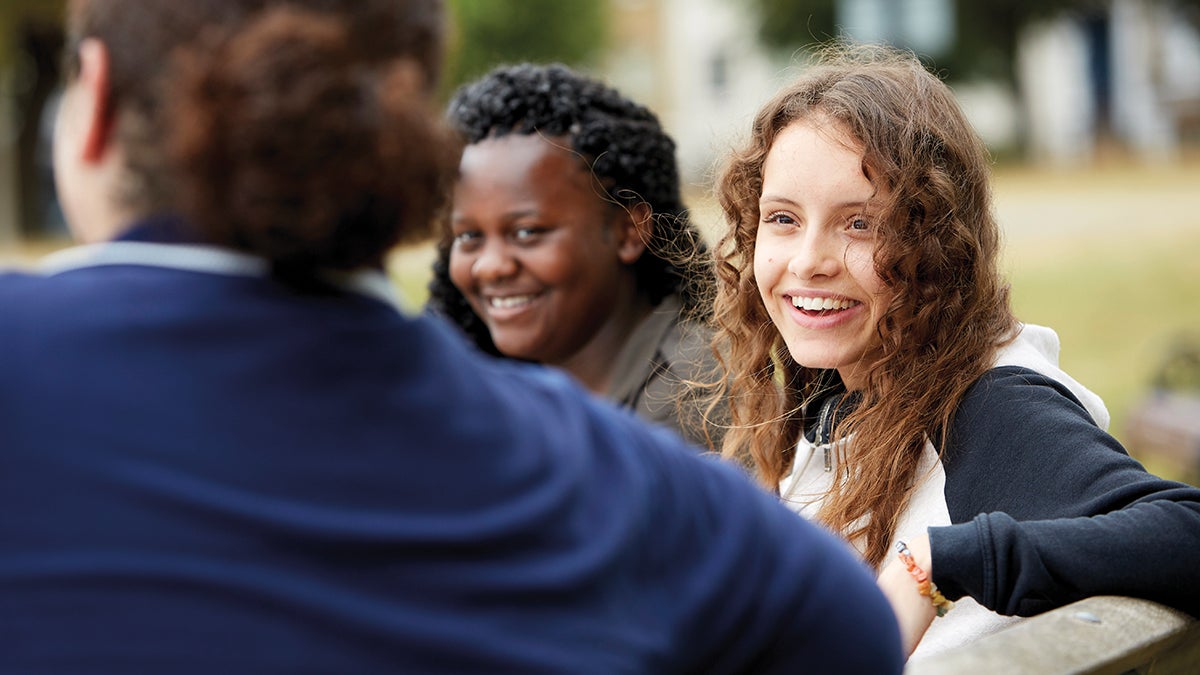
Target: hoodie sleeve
1048, 508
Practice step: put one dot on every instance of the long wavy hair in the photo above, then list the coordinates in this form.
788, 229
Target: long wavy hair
620, 141
937, 247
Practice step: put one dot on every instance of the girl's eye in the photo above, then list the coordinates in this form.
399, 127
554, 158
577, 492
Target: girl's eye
465, 239
528, 234
859, 224
780, 218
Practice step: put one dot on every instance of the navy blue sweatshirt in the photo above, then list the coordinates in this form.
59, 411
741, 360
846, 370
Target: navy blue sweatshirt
208, 470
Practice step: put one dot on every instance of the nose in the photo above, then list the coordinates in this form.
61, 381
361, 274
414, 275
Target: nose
495, 261
817, 253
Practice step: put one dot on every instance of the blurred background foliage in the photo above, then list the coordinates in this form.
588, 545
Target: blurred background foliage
486, 33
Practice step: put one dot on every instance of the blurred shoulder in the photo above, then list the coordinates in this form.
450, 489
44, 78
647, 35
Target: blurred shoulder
22, 290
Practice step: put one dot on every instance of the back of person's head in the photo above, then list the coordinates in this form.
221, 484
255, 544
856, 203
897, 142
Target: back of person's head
620, 141
297, 130
937, 244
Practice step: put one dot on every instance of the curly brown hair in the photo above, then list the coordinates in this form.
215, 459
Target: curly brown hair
298, 130
937, 248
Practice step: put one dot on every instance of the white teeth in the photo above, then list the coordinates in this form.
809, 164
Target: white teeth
509, 302
819, 304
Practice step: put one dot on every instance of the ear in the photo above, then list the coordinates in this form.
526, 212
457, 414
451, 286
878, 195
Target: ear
95, 100
634, 227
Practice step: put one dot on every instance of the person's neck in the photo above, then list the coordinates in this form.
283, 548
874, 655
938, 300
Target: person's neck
592, 365
96, 214
101, 227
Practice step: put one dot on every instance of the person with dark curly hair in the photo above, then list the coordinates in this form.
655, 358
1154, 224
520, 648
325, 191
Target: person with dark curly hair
880, 383
227, 450
568, 243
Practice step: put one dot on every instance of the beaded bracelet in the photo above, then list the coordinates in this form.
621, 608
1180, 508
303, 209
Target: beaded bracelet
924, 585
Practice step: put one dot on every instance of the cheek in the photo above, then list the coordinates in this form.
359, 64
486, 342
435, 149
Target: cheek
860, 262
881, 295
565, 264
766, 299
460, 270
764, 260
871, 281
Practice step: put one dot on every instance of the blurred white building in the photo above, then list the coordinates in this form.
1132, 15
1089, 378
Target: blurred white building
1129, 75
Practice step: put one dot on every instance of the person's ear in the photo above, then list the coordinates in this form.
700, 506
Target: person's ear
95, 99
634, 229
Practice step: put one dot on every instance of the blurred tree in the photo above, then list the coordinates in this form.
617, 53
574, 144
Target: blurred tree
30, 52
14, 13
793, 24
491, 32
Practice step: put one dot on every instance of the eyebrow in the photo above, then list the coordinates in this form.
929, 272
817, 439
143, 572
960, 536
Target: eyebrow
507, 215
851, 203
773, 198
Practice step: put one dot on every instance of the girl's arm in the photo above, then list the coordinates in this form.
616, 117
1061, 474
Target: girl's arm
1050, 509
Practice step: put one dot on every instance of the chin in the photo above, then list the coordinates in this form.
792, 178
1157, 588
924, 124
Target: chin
520, 351
819, 359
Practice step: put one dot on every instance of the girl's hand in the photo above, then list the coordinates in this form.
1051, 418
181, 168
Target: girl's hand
914, 611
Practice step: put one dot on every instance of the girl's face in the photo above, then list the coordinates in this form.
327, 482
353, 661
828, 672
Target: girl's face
538, 253
813, 256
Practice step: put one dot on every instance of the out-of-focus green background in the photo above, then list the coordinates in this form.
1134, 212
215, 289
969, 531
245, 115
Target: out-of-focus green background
1091, 109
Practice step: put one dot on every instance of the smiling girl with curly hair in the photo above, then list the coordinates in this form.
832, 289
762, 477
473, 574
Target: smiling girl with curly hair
879, 381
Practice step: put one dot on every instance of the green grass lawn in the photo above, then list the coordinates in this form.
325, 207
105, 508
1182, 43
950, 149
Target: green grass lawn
1118, 307
1110, 258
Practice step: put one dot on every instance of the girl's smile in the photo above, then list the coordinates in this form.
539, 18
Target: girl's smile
543, 260
814, 250
817, 310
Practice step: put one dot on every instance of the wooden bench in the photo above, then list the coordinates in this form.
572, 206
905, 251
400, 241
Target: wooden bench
1100, 635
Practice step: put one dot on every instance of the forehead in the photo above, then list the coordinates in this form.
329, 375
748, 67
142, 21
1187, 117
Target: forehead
816, 138
815, 156
525, 165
